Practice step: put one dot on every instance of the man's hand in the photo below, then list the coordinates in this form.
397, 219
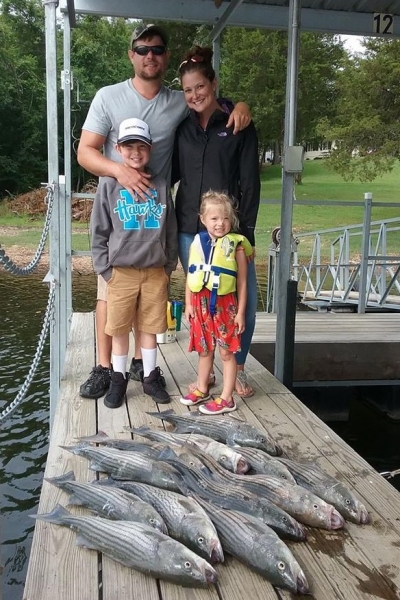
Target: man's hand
240, 117
132, 180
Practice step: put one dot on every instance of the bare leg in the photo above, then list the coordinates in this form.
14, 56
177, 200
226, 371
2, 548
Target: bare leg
104, 341
136, 335
205, 367
229, 373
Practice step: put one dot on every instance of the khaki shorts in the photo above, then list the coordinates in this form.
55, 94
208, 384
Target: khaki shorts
137, 293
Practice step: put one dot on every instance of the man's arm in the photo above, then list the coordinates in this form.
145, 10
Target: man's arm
240, 117
92, 159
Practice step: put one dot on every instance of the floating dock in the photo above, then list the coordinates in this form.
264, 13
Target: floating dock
360, 562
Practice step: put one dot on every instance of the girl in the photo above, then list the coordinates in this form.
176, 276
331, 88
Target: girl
216, 291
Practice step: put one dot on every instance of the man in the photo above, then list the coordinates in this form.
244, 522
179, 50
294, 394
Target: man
145, 97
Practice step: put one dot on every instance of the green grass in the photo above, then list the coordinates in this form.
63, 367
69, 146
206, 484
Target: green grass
319, 182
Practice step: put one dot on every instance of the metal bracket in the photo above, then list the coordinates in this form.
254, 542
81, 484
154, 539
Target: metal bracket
67, 79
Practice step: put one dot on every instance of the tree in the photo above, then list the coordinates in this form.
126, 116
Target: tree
366, 126
254, 69
23, 148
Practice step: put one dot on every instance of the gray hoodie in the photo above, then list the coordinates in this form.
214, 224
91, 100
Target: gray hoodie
130, 232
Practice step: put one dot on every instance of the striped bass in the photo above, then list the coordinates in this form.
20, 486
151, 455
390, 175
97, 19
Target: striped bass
299, 502
109, 502
262, 463
227, 430
255, 544
137, 546
186, 520
313, 478
150, 449
226, 456
128, 465
233, 497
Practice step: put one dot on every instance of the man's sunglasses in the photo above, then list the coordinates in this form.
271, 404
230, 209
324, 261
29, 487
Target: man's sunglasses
144, 50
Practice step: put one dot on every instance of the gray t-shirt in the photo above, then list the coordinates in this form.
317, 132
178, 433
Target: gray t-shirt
114, 103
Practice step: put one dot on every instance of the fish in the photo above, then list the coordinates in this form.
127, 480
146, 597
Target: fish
227, 430
226, 456
128, 465
128, 445
262, 463
313, 478
137, 546
259, 547
229, 496
150, 449
108, 502
186, 520
300, 503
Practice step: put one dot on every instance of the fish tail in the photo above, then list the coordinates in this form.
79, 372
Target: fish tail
61, 479
162, 414
57, 515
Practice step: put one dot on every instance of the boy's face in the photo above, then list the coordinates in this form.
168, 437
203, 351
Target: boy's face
135, 154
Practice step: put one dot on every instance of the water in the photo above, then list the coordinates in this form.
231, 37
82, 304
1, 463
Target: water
24, 436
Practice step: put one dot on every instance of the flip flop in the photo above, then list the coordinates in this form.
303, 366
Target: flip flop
243, 386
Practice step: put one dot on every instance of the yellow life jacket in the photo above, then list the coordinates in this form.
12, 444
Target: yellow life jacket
212, 263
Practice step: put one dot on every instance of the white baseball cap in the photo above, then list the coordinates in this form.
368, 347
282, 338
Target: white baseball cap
132, 130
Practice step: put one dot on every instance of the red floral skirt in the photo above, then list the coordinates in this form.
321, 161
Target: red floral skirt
207, 331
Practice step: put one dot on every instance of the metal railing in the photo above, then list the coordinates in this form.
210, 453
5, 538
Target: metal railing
347, 265
359, 270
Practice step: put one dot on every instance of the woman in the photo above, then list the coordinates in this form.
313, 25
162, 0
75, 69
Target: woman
207, 157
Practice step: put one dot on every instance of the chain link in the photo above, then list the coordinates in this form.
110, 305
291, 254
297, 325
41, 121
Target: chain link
39, 350
6, 261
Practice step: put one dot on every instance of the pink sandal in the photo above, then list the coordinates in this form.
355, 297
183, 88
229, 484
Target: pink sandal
194, 398
218, 406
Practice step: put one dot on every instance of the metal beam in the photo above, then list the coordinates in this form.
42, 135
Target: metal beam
71, 13
222, 21
248, 15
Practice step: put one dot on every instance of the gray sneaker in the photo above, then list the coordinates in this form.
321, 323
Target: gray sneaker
154, 386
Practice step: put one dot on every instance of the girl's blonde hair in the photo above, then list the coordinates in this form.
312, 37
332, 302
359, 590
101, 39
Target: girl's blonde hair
221, 200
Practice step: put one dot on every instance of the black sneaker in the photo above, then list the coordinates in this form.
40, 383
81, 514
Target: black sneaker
97, 383
116, 395
154, 386
136, 370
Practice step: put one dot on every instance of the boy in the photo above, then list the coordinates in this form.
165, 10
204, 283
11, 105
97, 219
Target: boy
135, 249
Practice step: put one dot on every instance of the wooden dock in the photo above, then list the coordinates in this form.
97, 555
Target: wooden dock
336, 346
360, 562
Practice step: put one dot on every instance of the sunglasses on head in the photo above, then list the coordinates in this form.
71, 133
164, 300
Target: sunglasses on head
144, 50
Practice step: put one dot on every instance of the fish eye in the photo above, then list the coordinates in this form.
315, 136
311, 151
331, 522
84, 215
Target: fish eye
187, 565
200, 540
315, 506
223, 458
347, 502
152, 521
284, 519
281, 566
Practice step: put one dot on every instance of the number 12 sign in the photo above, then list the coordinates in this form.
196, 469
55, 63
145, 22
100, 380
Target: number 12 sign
383, 23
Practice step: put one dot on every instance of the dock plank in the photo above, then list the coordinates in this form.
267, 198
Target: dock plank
359, 562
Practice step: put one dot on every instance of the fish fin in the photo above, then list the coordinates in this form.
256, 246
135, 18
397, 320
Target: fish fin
104, 481
58, 481
95, 467
162, 414
100, 436
84, 542
55, 516
75, 501
141, 430
167, 454
76, 449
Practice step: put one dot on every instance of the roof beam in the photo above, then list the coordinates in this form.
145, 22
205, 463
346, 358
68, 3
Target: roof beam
233, 5
246, 15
